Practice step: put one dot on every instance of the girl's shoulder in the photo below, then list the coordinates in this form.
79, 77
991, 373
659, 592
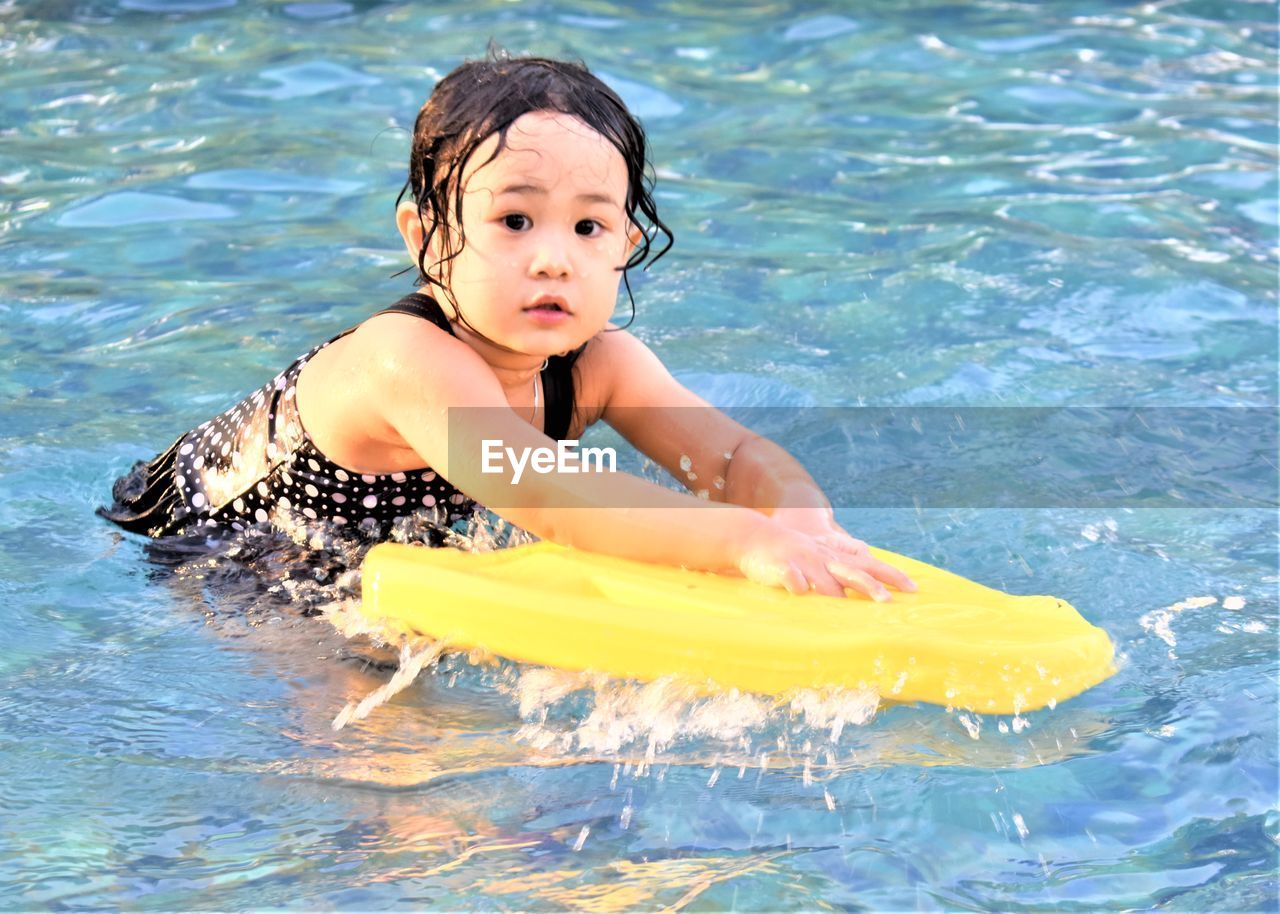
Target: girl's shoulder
597, 368
397, 341
615, 363
388, 354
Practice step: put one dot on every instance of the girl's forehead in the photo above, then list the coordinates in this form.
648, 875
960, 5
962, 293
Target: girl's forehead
549, 145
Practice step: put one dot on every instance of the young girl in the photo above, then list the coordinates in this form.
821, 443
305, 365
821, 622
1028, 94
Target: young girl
529, 204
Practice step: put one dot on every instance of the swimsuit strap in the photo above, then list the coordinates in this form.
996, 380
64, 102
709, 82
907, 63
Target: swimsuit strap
557, 384
557, 377
424, 306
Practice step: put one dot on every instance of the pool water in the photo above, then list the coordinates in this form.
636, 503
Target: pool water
907, 206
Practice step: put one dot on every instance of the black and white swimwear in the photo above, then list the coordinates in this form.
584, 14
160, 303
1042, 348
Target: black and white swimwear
255, 464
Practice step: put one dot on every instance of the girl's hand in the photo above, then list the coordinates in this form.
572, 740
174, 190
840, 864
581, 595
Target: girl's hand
804, 550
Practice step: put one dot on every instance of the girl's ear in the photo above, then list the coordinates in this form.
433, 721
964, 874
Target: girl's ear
410, 225
634, 237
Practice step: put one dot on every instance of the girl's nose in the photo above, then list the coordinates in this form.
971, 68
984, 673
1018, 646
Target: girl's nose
550, 258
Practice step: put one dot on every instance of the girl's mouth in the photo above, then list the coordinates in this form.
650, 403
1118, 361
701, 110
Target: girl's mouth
548, 309
549, 303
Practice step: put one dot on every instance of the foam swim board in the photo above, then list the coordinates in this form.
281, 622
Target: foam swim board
954, 642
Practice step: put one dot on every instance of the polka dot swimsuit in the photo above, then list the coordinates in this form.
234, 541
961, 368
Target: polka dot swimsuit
255, 464
230, 474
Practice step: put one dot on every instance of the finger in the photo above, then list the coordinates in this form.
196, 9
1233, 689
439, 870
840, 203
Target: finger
882, 571
859, 580
885, 572
770, 573
794, 580
811, 576
844, 543
855, 546
822, 581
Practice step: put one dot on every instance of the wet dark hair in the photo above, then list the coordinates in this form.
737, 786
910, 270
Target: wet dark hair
485, 97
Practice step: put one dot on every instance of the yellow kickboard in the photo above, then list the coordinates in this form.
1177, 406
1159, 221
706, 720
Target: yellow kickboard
954, 642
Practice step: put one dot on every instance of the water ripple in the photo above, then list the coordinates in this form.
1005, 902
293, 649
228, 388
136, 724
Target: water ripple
914, 203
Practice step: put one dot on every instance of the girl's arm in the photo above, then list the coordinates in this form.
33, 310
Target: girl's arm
709, 453
718, 458
434, 396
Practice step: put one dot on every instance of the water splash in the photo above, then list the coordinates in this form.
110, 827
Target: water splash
831, 709
556, 716
411, 663
590, 713
1159, 621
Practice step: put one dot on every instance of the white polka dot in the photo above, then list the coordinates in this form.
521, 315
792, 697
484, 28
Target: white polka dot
397, 477
288, 394
238, 504
315, 467
339, 498
398, 500
341, 475
309, 512
198, 462
286, 479
339, 519
284, 502
428, 476
186, 448
428, 500
369, 478
197, 500
312, 490
263, 490
236, 525
370, 501
260, 516
226, 449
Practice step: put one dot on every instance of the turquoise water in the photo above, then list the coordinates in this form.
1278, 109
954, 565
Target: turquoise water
897, 205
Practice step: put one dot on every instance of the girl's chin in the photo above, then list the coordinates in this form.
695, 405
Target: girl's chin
539, 343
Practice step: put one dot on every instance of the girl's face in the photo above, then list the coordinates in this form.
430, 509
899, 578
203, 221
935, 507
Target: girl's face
546, 231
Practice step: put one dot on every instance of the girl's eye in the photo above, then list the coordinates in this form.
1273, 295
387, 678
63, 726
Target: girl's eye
516, 222
587, 227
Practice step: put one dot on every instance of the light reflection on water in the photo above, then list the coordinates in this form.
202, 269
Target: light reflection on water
894, 205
